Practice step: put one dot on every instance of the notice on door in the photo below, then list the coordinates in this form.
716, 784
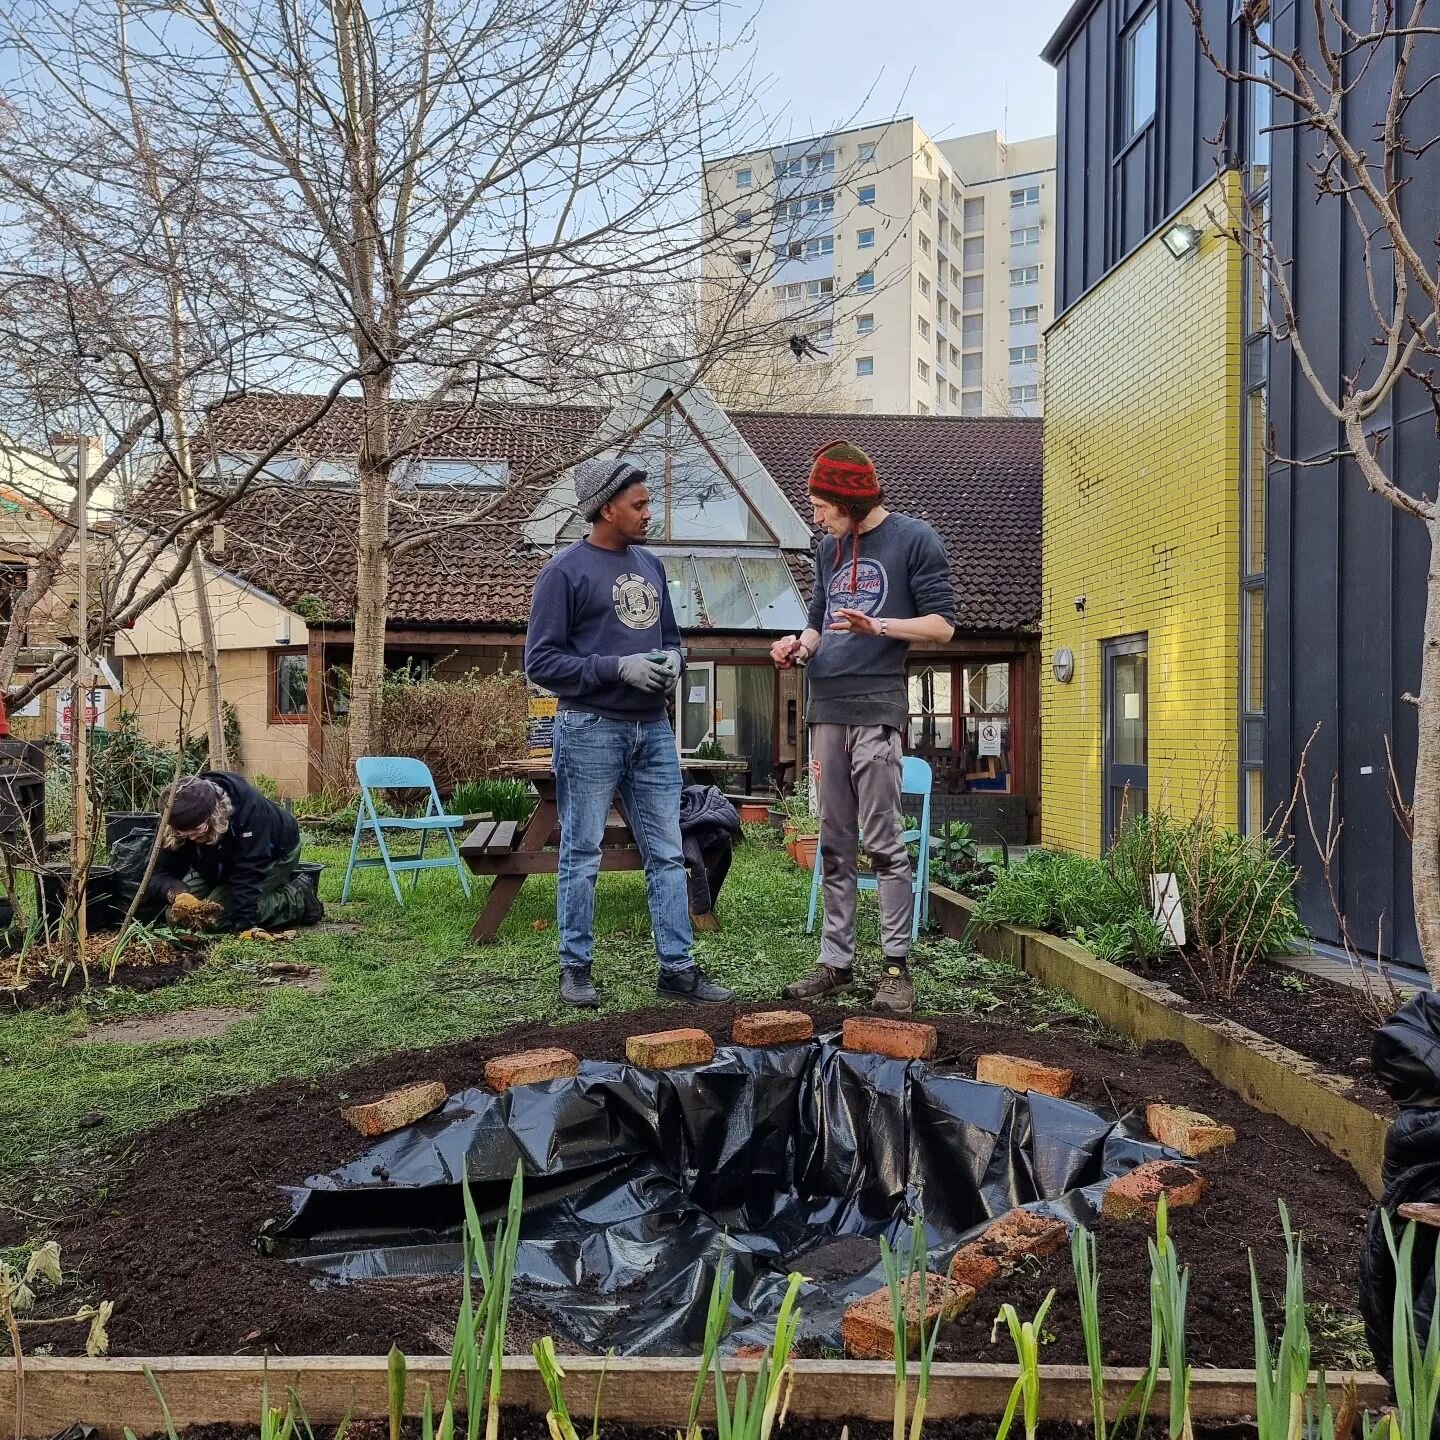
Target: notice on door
697, 695
989, 737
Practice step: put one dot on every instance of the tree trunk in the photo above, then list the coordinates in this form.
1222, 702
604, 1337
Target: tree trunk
214, 711
372, 571
1425, 849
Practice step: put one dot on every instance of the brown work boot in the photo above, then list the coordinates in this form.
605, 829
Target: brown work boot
818, 982
895, 994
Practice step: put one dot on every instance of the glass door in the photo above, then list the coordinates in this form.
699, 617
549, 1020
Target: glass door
1126, 780
697, 707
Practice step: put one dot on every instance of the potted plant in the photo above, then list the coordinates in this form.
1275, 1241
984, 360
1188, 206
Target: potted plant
802, 829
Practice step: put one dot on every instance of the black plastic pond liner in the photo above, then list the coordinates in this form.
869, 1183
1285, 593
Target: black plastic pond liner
637, 1183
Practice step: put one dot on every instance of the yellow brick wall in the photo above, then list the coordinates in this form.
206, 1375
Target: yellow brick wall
1141, 517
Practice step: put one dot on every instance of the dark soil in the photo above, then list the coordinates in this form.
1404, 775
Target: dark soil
169, 963
1323, 1021
173, 1239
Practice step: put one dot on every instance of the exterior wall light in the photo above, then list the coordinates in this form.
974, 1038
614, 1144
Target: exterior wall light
1181, 240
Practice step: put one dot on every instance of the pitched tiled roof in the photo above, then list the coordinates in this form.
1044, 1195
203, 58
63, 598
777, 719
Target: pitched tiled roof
976, 481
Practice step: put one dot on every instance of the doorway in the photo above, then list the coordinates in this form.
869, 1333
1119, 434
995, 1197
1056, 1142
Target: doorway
1127, 730
697, 708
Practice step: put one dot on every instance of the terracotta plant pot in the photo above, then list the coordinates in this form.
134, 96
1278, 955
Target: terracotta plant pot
804, 850
753, 814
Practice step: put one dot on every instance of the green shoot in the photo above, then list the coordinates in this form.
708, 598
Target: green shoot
722, 1286
395, 1389
1416, 1367
600, 1390
154, 1384
907, 1282
1025, 1336
1084, 1257
755, 1410
1169, 1294
1282, 1380
557, 1417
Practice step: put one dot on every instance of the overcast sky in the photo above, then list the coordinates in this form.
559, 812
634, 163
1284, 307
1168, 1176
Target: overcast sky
957, 66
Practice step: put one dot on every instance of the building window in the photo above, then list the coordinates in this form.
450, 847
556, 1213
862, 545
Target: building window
791, 210
865, 324
974, 216
744, 179
816, 164
1140, 47
963, 710
972, 292
864, 365
921, 408
1025, 195
865, 407
795, 250
972, 253
1024, 314
795, 291
1026, 235
1025, 275
819, 289
742, 259
929, 162
821, 204
972, 331
1024, 354
924, 287
970, 402
289, 679
866, 195
865, 153
925, 244
822, 245
865, 239
972, 370
932, 712
924, 327
924, 202
923, 371
743, 219
1024, 394
789, 169
1258, 100
865, 281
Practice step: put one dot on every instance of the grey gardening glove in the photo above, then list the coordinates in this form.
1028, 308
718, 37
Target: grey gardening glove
670, 662
643, 673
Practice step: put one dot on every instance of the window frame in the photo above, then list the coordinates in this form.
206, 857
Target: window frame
865, 282
275, 716
861, 328
959, 712
869, 362
865, 239
864, 194
744, 177
1128, 128
865, 153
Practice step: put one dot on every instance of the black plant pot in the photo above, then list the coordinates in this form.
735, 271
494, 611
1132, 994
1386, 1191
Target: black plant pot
103, 910
119, 824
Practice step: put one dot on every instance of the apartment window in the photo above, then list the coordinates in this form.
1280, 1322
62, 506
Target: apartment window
929, 162
822, 245
815, 164
923, 371
744, 179
924, 326
821, 204
924, 244
972, 370
954, 396
1024, 354
865, 239
865, 407
1139, 49
1025, 235
972, 292
289, 698
743, 219
972, 256
1025, 195
1257, 102
865, 324
789, 292
795, 250
864, 365
865, 153
1025, 275
924, 202
924, 287
789, 169
954, 355
742, 259
819, 289
972, 331
791, 210
954, 276
1024, 394
921, 408
865, 281
1024, 314
970, 402
954, 316
866, 195
974, 216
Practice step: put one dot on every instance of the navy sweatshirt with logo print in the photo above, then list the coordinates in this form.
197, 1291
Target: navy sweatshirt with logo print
590, 607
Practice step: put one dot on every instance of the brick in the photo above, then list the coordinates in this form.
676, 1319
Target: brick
867, 1330
1021, 1075
1135, 1196
899, 1039
529, 1067
397, 1109
773, 1027
670, 1049
1001, 1246
1187, 1131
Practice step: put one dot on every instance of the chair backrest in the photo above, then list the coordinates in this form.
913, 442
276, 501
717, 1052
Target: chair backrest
393, 772
916, 776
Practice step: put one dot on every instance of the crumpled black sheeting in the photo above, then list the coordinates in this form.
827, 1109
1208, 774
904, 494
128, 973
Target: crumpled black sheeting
638, 1181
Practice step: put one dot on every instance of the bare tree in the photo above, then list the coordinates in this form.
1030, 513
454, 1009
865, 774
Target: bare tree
1349, 94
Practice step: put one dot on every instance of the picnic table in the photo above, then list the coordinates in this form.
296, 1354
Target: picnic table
692, 765
511, 852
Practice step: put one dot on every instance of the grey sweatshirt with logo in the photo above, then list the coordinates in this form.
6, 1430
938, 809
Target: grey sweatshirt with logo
902, 573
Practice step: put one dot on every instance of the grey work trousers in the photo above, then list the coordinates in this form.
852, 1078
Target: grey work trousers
859, 791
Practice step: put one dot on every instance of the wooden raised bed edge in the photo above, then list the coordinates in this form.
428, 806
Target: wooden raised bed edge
1269, 1076
201, 1389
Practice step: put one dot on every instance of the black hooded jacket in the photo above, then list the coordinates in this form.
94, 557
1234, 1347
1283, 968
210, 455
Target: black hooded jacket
261, 833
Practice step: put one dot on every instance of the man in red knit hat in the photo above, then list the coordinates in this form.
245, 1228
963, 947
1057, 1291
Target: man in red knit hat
881, 581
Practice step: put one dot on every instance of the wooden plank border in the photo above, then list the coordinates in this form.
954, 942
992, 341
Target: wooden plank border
111, 1394
1268, 1076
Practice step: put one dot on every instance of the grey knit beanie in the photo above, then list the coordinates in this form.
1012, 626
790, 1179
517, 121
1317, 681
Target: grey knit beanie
599, 481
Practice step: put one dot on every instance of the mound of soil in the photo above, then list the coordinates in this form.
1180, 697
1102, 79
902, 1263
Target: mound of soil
34, 981
178, 1240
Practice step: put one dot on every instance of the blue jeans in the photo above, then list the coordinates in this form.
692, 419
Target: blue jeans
595, 757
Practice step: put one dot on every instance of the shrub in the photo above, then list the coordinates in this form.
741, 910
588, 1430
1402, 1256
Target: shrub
463, 729
128, 771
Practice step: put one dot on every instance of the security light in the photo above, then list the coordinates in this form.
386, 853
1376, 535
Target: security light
1181, 240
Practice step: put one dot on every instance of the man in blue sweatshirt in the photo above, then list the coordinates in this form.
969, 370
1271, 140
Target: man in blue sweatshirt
603, 638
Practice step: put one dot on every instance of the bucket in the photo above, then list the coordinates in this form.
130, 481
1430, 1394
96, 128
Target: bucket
122, 823
103, 910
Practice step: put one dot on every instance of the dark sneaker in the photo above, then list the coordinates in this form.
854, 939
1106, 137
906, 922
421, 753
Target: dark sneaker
895, 994
818, 982
693, 984
313, 912
577, 988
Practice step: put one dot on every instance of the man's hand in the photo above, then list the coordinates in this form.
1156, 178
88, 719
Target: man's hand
855, 622
783, 651
644, 673
670, 662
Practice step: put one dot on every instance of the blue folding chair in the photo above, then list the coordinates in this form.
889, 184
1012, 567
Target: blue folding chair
395, 772
916, 778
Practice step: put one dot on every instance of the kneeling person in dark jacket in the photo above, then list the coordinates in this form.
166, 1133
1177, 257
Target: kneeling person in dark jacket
226, 845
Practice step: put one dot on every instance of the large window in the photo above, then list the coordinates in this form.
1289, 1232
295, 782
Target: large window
960, 716
1140, 47
289, 699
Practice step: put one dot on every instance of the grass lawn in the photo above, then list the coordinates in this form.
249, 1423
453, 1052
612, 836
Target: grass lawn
402, 979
